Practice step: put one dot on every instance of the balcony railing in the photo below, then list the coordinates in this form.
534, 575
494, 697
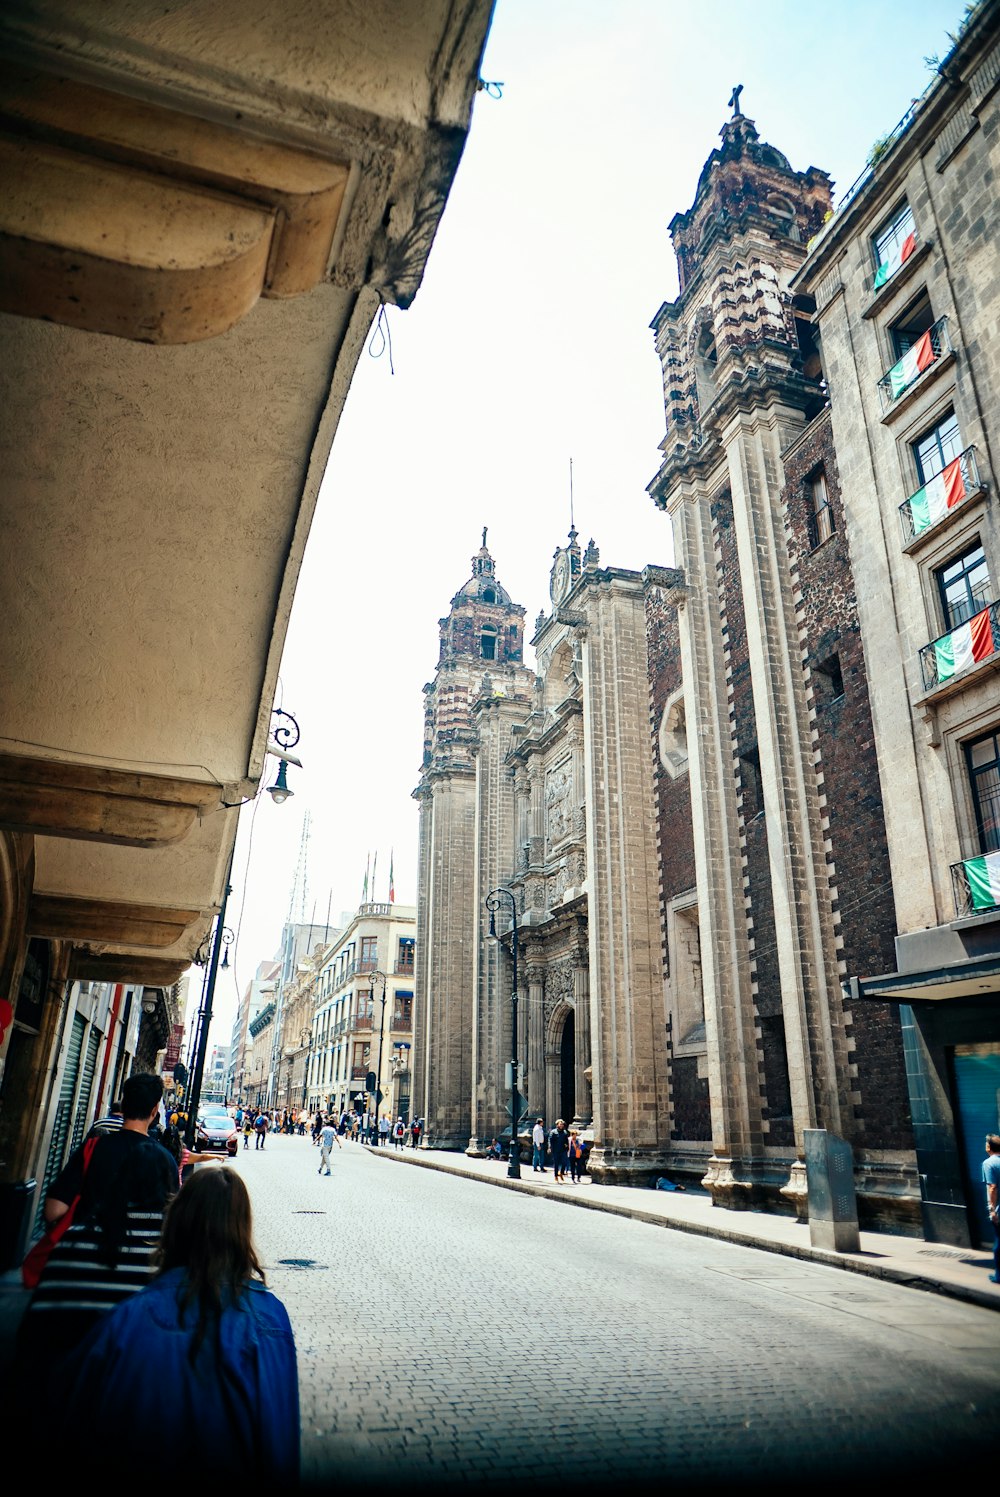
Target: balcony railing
401, 1025
971, 644
363, 1021
375, 909
403, 969
926, 351
358, 1073
940, 495
366, 964
976, 882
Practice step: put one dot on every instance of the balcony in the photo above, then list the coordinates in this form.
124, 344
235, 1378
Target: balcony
366, 964
403, 969
976, 883
401, 1025
944, 492
362, 1021
971, 644
927, 351
358, 1073
374, 909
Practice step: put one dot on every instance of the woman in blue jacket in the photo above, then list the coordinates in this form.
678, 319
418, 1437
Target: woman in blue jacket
201, 1365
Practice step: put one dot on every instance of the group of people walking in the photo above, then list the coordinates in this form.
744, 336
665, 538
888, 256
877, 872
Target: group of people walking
148, 1299
565, 1147
257, 1123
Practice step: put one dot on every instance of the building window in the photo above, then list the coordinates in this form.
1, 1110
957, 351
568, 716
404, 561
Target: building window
937, 448
369, 951
964, 587
489, 596
488, 646
893, 244
984, 778
821, 518
911, 327
404, 961
828, 681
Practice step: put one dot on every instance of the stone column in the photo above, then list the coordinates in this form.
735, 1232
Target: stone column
536, 1036
628, 1041
446, 972
581, 1005
807, 960
494, 867
733, 1067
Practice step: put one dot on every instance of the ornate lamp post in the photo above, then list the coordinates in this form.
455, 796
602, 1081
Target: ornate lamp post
373, 978
495, 901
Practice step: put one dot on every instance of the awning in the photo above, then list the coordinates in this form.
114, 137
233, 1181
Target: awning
972, 979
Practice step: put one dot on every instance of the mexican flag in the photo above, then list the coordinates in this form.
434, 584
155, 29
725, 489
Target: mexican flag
964, 646
914, 362
896, 259
984, 880
935, 499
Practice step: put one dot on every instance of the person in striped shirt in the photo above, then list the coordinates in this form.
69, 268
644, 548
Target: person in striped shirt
107, 1254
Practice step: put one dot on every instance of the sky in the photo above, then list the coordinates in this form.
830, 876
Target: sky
528, 344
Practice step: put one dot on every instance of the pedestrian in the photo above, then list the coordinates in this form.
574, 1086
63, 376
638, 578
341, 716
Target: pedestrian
327, 1135
247, 1129
538, 1146
109, 1124
576, 1153
414, 1133
991, 1179
260, 1125
559, 1149
495, 1150
120, 1184
201, 1364
399, 1133
383, 1131
317, 1128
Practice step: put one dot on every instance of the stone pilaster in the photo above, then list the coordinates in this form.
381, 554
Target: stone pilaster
494, 860
629, 1061
807, 959
445, 966
737, 1135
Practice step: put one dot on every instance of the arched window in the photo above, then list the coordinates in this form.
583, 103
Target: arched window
489, 596
488, 644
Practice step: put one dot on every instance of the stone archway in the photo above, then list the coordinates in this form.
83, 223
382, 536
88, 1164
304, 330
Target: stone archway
560, 1046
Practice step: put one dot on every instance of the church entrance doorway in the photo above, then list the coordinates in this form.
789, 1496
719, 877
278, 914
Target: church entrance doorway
567, 1068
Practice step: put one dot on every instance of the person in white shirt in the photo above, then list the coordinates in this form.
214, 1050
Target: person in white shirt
326, 1137
538, 1146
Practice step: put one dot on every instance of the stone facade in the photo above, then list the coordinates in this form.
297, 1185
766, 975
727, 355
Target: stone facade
562, 813
761, 716
910, 263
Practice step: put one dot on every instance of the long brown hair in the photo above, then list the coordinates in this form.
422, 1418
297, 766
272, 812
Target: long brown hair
208, 1232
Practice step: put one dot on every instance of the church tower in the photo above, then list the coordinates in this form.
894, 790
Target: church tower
480, 683
741, 384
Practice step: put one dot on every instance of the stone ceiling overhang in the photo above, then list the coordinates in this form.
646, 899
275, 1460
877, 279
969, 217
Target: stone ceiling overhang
231, 190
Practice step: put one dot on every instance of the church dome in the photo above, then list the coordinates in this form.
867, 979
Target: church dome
482, 586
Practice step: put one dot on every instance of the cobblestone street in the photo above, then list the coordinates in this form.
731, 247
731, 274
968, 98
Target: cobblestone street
451, 1332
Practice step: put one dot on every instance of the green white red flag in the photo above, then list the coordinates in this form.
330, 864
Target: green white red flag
889, 266
931, 503
984, 880
964, 646
914, 362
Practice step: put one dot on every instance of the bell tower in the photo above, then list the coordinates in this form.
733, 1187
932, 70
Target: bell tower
480, 661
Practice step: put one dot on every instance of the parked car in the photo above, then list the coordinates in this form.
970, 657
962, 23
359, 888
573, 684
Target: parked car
216, 1131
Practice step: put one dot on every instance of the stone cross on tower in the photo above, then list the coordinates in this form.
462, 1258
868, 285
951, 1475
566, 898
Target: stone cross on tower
734, 100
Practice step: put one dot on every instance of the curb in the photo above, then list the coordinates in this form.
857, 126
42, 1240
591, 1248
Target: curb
907, 1278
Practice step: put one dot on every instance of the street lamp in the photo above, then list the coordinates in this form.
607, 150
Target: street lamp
494, 901
374, 977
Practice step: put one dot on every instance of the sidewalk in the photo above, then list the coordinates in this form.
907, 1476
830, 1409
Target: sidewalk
961, 1273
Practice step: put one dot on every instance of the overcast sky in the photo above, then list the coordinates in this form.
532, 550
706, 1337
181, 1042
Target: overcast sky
529, 344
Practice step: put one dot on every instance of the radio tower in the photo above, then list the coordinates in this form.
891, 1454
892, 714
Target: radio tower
297, 899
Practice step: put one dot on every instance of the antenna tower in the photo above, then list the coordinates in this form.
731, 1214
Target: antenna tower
297, 900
